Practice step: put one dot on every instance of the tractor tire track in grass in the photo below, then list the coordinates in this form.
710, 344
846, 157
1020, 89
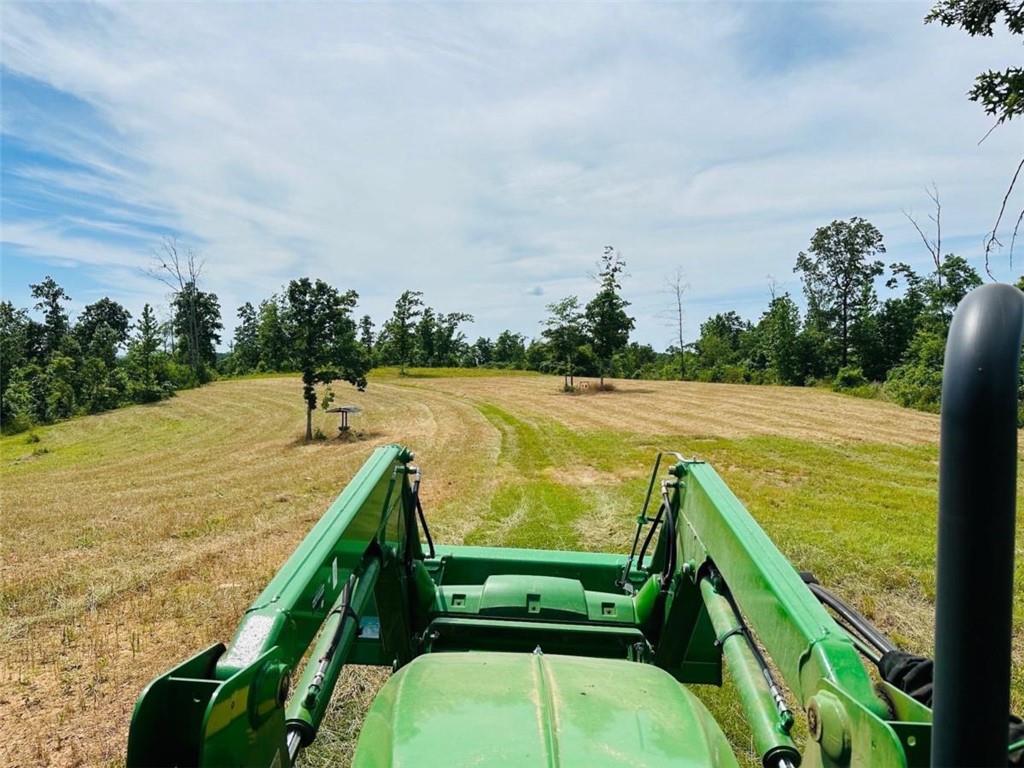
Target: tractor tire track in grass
132, 539
553, 484
141, 535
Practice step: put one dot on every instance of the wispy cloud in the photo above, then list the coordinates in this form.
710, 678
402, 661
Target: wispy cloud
485, 154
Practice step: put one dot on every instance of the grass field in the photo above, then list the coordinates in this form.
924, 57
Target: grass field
134, 538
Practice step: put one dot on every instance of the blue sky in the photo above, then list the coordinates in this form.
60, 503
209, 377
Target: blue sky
484, 153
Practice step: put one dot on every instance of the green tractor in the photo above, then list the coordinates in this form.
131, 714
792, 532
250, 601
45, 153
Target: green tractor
542, 658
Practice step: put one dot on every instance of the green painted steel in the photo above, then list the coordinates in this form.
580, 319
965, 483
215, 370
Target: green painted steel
295, 603
227, 704
306, 709
805, 641
529, 709
769, 730
529, 657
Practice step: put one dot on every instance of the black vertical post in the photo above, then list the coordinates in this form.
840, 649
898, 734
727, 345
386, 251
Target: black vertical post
977, 499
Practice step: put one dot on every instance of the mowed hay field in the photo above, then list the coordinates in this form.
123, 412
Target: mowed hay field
135, 538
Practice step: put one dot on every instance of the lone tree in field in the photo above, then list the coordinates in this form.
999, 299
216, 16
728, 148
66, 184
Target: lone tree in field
838, 275
400, 329
607, 321
322, 339
564, 331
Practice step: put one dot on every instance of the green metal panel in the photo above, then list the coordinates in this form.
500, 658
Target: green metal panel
296, 601
226, 706
803, 639
471, 633
175, 702
497, 709
472, 565
542, 598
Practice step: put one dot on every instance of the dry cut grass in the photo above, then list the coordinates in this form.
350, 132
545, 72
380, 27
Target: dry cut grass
139, 537
135, 538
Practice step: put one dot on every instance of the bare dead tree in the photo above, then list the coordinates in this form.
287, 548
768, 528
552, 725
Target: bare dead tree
992, 239
933, 244
676, 288
179, 268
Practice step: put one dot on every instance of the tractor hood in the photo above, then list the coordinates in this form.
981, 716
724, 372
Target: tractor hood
508, 709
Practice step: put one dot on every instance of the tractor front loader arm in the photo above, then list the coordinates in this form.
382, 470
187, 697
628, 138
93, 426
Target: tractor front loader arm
710, 549
231, 705
723, 557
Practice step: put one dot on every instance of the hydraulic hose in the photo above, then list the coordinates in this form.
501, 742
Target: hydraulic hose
765, 709
340, 629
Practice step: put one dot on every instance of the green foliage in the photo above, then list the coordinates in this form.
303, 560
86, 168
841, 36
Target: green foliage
778, 341
607, 322
564, 332
482, 351
14, 325
1000, 92
366, 337
849, 377
51, 299
322, 337
196, 325
838, 272
245, 353
149, 374
509, 350
271, 338
720, 347
55, 370
397, 340
104, 313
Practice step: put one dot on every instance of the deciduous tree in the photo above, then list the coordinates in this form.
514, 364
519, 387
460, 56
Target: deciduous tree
322, 337
399, 330
51, 299
197, 326
104, 312
607, 321
838, 272
563, 329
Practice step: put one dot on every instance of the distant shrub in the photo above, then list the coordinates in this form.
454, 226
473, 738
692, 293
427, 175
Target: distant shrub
915, 385
848, 377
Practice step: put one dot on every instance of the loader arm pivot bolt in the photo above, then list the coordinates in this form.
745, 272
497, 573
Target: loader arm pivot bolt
828, 724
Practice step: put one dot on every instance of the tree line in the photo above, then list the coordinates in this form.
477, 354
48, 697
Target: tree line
847, 337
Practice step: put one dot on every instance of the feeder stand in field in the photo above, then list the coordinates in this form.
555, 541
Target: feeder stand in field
525, 657
344, 410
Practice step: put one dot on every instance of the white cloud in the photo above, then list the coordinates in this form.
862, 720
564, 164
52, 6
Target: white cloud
485, 154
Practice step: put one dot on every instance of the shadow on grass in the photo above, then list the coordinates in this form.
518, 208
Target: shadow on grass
335, 440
